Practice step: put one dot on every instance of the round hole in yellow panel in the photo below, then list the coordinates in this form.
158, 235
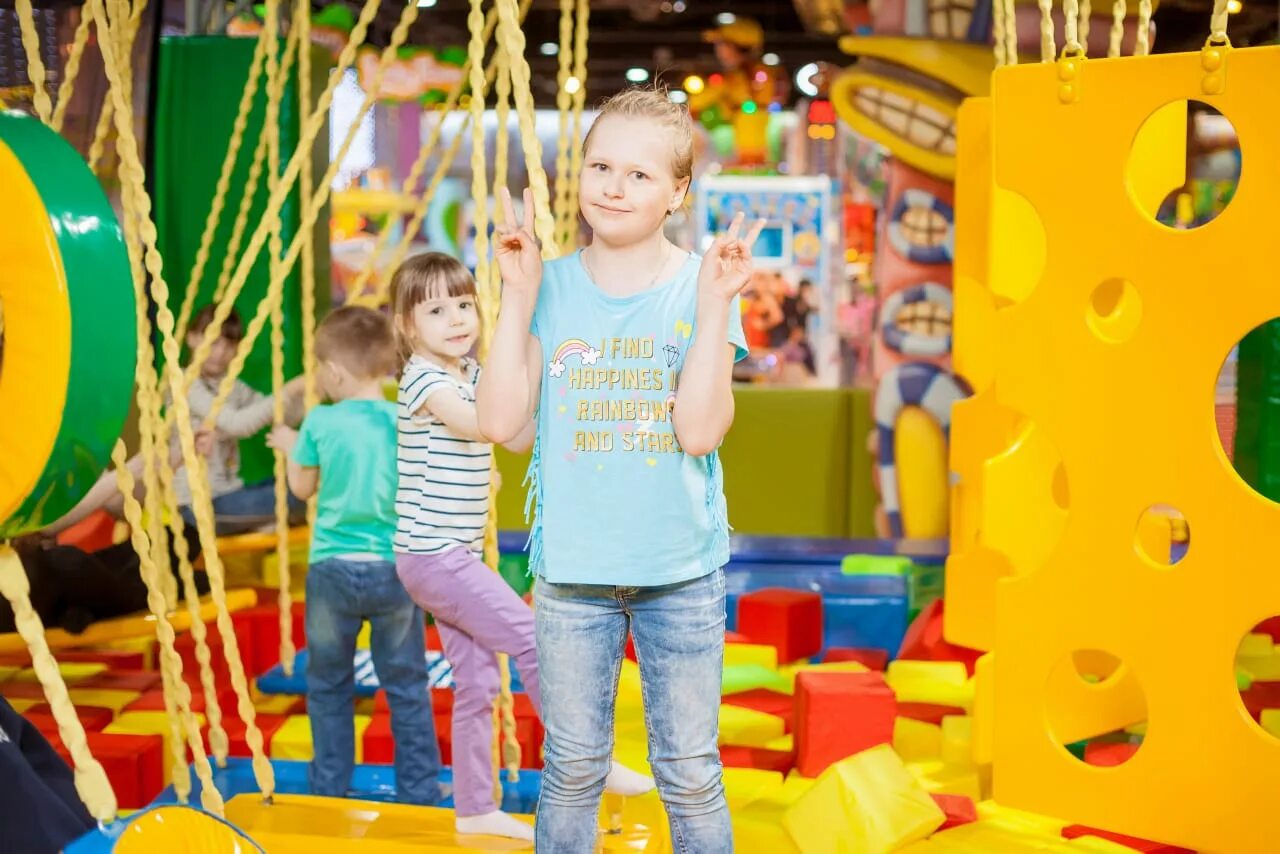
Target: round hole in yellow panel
1162, 536
1184, 165
1096, 708
1114, 311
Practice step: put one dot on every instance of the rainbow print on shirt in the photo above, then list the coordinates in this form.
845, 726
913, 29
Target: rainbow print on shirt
587, 354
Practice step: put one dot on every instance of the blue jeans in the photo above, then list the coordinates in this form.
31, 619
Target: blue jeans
249, 508
679, 640
341, 594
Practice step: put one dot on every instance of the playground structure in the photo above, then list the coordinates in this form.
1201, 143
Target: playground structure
1056, 572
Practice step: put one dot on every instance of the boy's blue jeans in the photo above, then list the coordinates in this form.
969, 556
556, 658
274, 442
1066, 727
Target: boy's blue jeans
341, 594
679, 640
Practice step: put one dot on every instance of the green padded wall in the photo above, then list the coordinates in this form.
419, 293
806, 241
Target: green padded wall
796, 464
199, 81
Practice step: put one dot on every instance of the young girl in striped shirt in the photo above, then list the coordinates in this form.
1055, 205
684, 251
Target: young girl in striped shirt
443, 505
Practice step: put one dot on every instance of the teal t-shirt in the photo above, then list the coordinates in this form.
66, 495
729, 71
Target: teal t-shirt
353, 443
618, 500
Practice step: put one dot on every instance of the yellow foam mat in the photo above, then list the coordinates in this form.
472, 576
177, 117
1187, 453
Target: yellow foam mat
136, 625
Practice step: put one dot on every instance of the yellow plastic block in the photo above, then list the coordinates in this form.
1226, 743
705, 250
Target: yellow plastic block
867, 803
150, 723
293, 739
916, 741
1112, 355
943, 779
957, 740
945, 683
72, 672
747, 727
751, 653
102, 698
743, 786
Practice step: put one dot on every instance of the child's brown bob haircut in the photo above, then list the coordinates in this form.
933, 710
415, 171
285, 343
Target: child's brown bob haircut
431, 275
232, 327
359, 339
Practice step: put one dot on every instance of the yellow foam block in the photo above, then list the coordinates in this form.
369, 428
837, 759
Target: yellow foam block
103, 698
868, 803
760, 830
916, 741
785, 743
275, 704
21, 704
1095, 844
747, 727
788, 672
751, 653
744, 786
980, 838
1270, 720
794, 788
1255, 645
943, 779
957, 740
150, 723
293, 739
992, 813
7, 672
1261, 668
362, 639
945, 683
984, 704
297, 568
72, 671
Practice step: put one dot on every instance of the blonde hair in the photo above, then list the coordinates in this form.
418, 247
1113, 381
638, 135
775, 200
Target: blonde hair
431, 275
359, 339
653, 104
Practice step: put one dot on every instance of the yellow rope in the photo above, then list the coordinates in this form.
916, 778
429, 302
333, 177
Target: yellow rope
35, 65
1085, 16
132, 171
310, 129
1010, 32
67, 86
223, 186
569, 235
306, 183
1218, 23
1047, 47
248, 194
177, 690
1142, 46
511, 39
91, 780
479, 182
410, 183
1118, 9
997, 29
1071, 28
99, 144
275, 289
564, 103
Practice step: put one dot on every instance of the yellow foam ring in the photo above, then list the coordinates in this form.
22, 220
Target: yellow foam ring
920, 452
1017, 268
1078, 709
180, 828
1157, 162
37, 334
939, 162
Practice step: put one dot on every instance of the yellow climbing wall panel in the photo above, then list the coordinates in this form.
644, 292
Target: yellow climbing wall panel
1099, 405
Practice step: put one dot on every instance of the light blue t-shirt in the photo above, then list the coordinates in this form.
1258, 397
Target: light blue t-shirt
618, 501
353, 443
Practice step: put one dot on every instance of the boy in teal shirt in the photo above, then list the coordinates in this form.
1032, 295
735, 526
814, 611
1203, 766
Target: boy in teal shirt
346, 454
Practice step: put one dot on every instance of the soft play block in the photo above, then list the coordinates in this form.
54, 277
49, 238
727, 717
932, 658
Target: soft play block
123, 680
114, 659
958, 810
185, 645
872, 659
941, 683
740, 756
916, 741
150, 723
441, 701
1109, 754
764, 700
839, 715
234, 727
134, 764
763, 655
867, 803
748, 727
924, 641
293, 739
92, 718
153, 700
379, 745
1146, 846
789, 620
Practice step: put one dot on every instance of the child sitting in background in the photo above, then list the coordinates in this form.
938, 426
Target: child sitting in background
238, 507
346, 453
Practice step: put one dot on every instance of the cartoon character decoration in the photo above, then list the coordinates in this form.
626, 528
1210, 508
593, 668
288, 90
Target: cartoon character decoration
917, 60
736, 105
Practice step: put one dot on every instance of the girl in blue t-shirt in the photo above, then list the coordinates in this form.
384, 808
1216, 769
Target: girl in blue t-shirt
623, 352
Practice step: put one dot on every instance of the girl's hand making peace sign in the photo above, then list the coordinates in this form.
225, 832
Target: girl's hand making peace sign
516, 249
726, 268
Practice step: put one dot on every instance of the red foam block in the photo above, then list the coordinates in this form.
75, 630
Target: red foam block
872, 659
924, 641
789, 620
123, 680
113, 658
1109, 754
930, 713
839, 715
738, 756
957, 808
764, 700
92, 718
1144, 845
134, 764
235, 729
